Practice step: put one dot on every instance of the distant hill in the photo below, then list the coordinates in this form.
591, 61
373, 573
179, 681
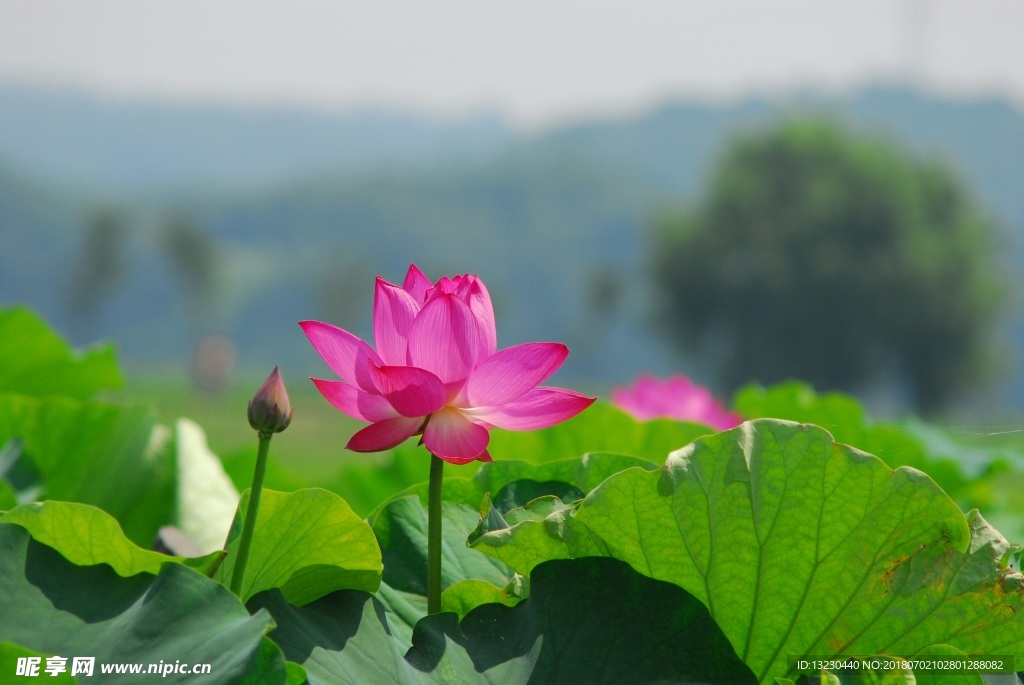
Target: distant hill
556, 222
124, 146
673, 147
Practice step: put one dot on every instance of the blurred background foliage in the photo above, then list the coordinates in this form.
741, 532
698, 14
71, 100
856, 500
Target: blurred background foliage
836, 259
864, 243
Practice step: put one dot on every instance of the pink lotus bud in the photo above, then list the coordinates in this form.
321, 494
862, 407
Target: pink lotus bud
270, 410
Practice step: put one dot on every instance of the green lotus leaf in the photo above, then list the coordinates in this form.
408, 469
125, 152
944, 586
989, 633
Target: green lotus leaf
466, 595
86, 535
306, 543
38, 362
584, 473
55, 607
8, 495
797, 545
404, 610
580, 474
296, 674
566, 632
116, 458
845, 418
401, 530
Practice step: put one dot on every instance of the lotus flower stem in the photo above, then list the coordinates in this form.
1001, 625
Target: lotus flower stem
270, 411
245, 541
434, 535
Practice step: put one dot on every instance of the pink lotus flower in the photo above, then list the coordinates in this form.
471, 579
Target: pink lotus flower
675, 398
437, 371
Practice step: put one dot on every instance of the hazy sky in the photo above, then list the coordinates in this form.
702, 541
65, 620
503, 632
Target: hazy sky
535, 61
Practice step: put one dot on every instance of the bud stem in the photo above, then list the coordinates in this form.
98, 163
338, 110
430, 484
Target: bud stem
434, 535
245, 541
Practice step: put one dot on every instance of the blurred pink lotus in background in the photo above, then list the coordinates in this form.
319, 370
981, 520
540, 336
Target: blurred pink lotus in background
437, 371
676, 397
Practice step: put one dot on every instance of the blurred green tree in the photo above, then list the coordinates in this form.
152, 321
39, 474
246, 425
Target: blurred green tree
99, 266
194, 257
836, 259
